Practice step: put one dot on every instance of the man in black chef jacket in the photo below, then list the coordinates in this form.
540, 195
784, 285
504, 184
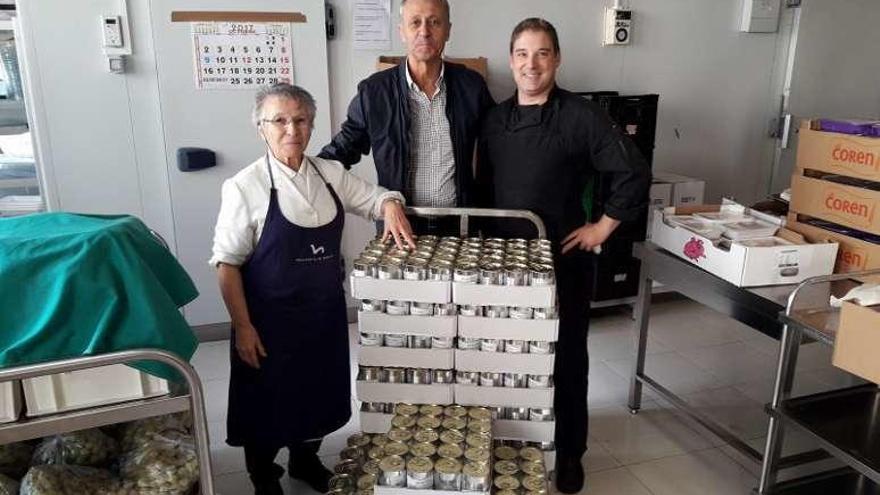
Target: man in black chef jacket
538, 150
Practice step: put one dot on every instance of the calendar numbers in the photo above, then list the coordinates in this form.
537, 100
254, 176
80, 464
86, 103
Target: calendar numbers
241, 55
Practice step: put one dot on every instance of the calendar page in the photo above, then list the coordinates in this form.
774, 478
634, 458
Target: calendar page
241, 55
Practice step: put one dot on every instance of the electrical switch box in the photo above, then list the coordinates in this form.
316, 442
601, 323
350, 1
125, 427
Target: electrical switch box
112, 25
618, 26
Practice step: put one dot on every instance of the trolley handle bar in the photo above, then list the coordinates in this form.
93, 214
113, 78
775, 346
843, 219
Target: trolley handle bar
465, 213
792, 298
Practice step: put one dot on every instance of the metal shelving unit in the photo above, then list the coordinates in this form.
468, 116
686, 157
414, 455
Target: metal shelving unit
192, 399
844, 422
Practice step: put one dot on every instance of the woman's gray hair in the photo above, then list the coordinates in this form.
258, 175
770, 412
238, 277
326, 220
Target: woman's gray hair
288, 91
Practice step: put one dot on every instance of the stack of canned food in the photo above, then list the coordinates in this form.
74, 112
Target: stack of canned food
519, 470
473, 260
416, 376
434, 447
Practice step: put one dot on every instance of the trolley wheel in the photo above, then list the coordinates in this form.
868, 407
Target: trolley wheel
634, 411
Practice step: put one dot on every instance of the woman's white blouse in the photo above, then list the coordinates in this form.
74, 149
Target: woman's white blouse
302, 196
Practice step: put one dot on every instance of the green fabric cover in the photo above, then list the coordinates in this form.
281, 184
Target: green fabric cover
74, 285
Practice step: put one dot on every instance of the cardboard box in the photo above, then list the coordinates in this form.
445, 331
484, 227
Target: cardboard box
686, 191
660, 195
504, 362
857, 343
431, 326
436, 359
740, 265
10, 401
428, 291
844, 154
508, 328
503, 295
844, 205
375, 422
529, 431
473, 395
404, 392
854, 255
479, 64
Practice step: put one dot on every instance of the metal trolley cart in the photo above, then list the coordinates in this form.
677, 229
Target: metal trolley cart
844, 422
192, 399
466, 213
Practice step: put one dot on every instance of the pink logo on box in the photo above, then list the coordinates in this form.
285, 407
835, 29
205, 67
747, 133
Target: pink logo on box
694, 249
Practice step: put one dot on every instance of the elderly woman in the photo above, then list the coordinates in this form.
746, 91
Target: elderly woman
277, 252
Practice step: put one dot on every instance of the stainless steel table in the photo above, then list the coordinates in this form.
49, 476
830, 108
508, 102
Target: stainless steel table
759, 308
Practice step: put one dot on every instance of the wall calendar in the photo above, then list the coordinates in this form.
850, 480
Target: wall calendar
241, 55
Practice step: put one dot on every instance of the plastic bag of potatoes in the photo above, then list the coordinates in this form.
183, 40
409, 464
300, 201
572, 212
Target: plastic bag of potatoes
166, 465
137, 433
79, 448
62, 480
8, 486
15, 459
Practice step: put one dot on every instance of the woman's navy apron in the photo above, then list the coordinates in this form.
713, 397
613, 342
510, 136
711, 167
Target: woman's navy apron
294, 295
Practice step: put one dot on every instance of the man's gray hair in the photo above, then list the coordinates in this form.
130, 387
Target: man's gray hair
288, 91
443, 3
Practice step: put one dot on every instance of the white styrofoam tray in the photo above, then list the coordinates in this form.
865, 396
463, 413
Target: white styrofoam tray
10, 401
437, 359
375, 422
504, 362
473, 395
428, 291
508, 328
431, 326
404, 392
529, 431
89, 388
504, 295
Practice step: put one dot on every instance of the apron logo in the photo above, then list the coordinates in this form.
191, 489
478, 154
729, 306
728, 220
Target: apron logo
317, 250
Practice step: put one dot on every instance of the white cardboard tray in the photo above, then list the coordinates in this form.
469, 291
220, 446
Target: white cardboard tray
503, 295
432, 326
10, 401
429, 291
504, 362
472, 395
530, 431
508, 328
404, 392
438, 359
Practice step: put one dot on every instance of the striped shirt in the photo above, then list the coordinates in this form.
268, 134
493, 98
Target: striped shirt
431, 177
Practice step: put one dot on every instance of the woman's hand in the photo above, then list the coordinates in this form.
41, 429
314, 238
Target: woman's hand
396, 224
249, 346
591, 235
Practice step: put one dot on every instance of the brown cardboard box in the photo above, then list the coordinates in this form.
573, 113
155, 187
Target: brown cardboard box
854, 156
857, 343
854, 254
844, 205
479, 64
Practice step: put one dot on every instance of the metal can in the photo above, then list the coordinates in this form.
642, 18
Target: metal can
516, 274
516, 346
466, 273
372, 339
419, 342
479, 441
447, 474
432, 410
380, 439
545, 446
343, 482
539, 381
541, 275
480, 426
444, 376
480, 413
541, 414
506, 468
516, 380
366, 481
429, 422
371, 466
492, 345
362, 268
395, 375
541, 347
450, 451
507, 482
521, 313
358, 440
445, 255
404, 409
489, 379
455, 411
373, 407
420, 473
418, 376
470, 310
517, 413
422, 449
372, 306
399, 434
396, 448
388, 270
396, 340
392, 471
535, 485
454, 423
455, 437
467, 377
446, 309
533, 468
397, 308
475, 477
491, 274
429, 436
497, 312
353, 453
370, 374
477, 454
531, 454
546, 313
469, 343
404, 422
376, 453
347, 466
421, 309
440, 270
442, 342
415, 270
505, 453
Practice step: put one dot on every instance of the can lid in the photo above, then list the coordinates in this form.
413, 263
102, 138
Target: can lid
340, 480
399, 435
392, 463
395, 448
450, 451
426, 436
402, 422
507, 482
479, 440
478, 454
455, 411
366, 481
423, 449
431, 410
535, 484
480, 426
447, 466
476, 469
420, 465
371, 466
506, 467
380, 439
480, 413
359, 440
505, 453
533, 468
376, 452
452, 436
346, 466
455, 423
429, 422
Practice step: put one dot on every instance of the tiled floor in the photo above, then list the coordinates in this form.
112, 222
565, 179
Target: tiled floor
722, 367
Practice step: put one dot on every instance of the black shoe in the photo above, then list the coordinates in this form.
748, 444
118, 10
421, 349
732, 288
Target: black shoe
309, 470
569, 474
268, 488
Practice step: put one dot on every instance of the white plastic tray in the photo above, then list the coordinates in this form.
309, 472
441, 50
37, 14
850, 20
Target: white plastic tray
10, 401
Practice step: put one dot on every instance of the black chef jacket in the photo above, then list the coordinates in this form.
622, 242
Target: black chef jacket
541, 157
